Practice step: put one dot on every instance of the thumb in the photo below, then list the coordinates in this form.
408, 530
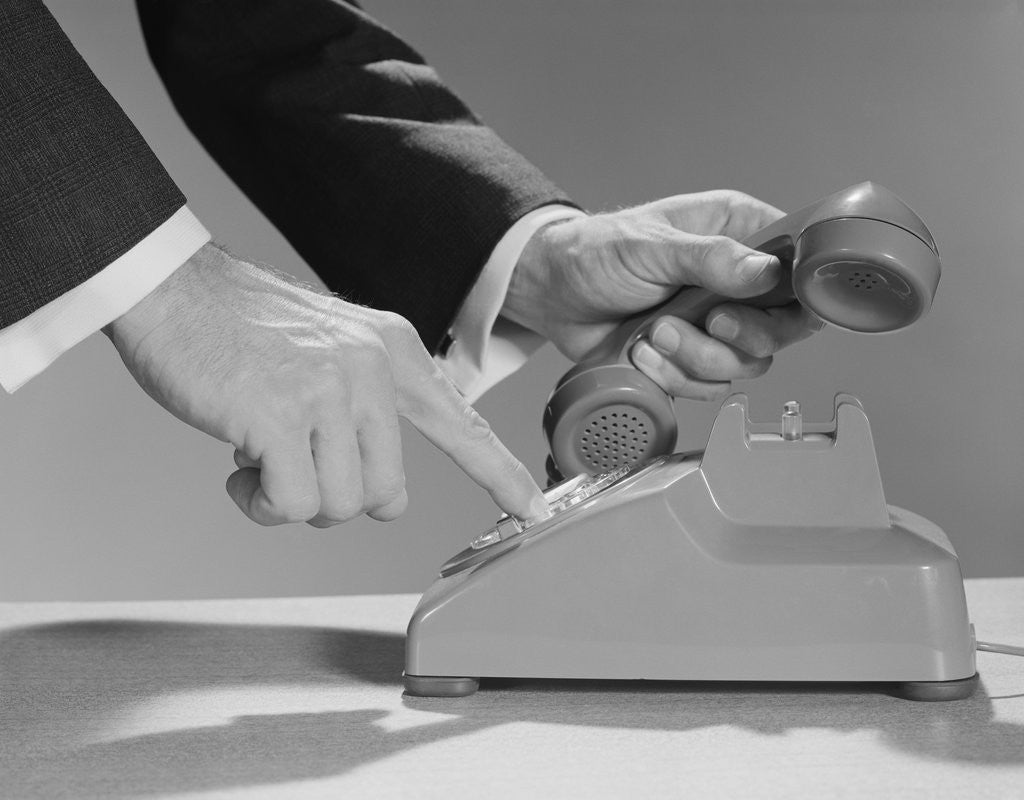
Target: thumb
724, 266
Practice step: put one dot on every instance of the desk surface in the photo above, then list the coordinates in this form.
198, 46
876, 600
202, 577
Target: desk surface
302, 698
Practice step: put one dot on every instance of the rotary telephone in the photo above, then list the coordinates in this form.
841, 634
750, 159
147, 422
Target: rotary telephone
772, 555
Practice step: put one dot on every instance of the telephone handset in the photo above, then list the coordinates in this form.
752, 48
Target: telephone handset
859, 259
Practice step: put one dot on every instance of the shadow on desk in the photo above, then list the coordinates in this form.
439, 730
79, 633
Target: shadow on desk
69, 694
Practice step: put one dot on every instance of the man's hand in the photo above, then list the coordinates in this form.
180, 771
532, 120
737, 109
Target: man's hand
577, 280
308, 388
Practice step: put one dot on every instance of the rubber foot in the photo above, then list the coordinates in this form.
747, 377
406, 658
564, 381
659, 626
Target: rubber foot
437, 686
931, 691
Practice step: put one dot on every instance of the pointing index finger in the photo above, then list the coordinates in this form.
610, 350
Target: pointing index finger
430, 401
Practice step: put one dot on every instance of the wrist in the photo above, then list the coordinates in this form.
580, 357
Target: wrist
160, 304
532, 299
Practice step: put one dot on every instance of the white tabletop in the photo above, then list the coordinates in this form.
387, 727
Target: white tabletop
303, 698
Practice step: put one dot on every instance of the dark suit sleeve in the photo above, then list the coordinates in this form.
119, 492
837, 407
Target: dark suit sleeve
380, 177
79, 187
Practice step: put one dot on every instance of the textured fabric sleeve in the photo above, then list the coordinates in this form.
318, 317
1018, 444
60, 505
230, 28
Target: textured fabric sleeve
380, 177
80, 187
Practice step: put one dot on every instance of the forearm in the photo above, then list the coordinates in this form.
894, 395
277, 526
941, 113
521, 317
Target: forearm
378, 174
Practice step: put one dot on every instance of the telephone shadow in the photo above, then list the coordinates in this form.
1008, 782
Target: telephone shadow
62, 685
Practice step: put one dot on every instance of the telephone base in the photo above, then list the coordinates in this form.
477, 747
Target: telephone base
763, 559
920, 691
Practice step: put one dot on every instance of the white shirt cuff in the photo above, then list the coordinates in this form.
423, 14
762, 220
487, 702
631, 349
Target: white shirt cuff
484, 348
31, 344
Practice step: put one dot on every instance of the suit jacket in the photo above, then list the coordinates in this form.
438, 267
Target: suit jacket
379, 176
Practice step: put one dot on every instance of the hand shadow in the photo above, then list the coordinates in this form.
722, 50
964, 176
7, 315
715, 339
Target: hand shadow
64, 686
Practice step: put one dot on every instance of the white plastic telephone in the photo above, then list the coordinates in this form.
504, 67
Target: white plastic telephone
770, 556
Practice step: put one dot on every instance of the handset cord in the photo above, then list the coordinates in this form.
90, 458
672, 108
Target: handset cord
1006, 649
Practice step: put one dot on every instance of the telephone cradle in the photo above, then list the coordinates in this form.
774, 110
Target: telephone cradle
771, 556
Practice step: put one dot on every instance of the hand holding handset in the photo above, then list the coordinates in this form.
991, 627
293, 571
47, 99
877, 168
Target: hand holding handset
859, 259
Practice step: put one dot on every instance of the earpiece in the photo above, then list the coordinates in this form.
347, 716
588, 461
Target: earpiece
859, 259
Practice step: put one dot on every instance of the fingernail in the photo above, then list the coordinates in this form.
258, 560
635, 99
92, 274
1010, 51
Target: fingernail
754, 266
724, 327
644, 354
666, 337
539, 510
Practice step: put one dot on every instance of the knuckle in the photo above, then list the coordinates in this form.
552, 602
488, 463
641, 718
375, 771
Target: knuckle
760, 367
698, 390
343, 509
290, 397
715, 251
391, 510
677, 386
298, 510
736, 201
396, 328
717, 391
281, 413
722, 199
417, 389
518, 473
739, 207
703, 361
327, 383
399, 325
386, 490
674, 381
695, 389
474, 426
322, 522
763, 345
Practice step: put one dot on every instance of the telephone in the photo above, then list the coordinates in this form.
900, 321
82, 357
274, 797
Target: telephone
859, 259
769, 556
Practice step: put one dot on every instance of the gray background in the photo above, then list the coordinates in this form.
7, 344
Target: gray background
107, 496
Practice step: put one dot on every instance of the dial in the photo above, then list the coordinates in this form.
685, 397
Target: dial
561, 497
